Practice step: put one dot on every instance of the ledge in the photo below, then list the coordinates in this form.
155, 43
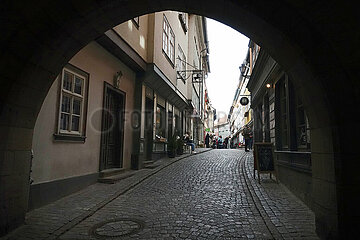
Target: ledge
298, 161
69, 138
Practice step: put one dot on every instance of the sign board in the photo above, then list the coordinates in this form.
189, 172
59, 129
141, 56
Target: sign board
264, 159
244, 101
207, 130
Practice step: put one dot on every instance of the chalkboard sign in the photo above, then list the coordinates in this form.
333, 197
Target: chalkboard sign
264, 158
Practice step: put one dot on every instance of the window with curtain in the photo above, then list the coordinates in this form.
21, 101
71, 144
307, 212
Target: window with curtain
72, 102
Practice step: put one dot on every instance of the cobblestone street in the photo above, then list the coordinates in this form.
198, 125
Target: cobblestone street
211, 195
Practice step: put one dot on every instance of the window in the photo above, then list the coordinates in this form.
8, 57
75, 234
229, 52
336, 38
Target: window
136, 22
283, 114
168, 45
302, 127
160, 121
170, 124
293, 127
183, 21
72, 107
181, 64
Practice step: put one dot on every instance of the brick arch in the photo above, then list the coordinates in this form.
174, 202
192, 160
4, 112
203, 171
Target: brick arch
314, 43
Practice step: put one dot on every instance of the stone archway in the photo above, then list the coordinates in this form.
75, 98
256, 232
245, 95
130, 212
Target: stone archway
315, 44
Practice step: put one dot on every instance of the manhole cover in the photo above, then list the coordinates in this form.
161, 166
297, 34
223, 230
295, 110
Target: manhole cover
116, 228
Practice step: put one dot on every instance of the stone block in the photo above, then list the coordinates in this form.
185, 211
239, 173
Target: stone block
6, 162
321, 140
17, 139
323, 166
22, 162
326, 222
324, 194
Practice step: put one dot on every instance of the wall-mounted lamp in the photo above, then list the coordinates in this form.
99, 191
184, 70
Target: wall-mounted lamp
243, 68
270, 85
117, 78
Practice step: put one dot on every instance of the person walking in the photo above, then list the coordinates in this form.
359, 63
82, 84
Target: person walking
247, 133
226, 142
251, 141
207, 140
220, 143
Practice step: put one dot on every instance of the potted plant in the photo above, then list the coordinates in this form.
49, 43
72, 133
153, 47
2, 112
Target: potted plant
171, 146
180, 146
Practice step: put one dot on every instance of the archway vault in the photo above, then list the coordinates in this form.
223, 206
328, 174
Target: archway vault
315, 43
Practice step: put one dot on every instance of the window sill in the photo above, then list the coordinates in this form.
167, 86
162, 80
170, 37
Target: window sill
299, 161
69, 138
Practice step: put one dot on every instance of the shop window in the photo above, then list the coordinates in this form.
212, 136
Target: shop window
284, 114
293, 127
302, 127
178, 130
160, 121
170, 124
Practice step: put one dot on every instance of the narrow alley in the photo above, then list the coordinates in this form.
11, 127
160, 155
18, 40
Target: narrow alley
208, 195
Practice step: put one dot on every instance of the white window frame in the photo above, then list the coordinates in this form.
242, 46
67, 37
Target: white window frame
136, 22
72, 95
168, 40
181, 64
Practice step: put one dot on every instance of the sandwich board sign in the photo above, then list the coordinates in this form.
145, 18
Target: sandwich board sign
264, 159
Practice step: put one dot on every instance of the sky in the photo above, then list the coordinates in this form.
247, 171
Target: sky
228, 49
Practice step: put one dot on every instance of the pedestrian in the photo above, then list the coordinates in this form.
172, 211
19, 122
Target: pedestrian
220, 143
246, 133
251, 140
207, 140
189, 141
214, 143
226, 142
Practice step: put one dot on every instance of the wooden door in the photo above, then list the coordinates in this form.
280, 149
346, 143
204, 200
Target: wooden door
112, 129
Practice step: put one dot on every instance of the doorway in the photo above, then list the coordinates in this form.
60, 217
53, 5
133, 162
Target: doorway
112, 130
149, 127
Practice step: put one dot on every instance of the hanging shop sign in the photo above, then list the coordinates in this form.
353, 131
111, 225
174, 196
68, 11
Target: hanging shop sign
244, 101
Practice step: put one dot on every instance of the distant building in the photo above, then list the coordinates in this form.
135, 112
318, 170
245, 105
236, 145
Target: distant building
240, 114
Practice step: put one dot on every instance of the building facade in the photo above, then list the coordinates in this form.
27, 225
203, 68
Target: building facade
118, 100
241, 114
209, 114
280, 118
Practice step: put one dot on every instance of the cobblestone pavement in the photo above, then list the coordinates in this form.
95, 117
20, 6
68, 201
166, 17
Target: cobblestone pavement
206, 196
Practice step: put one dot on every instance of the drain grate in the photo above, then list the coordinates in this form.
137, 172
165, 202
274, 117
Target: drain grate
114, 228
